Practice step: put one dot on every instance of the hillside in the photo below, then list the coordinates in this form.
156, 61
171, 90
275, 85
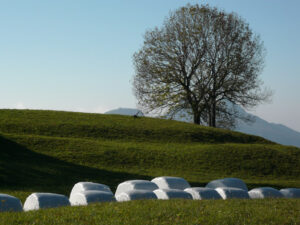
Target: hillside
275, 132
114, 127
50, 151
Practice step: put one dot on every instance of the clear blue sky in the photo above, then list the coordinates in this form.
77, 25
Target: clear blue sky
76, 55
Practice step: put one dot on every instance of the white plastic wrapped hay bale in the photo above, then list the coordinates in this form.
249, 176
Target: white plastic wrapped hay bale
199, 193
291, 192
135, 195
265, 192
229, 193
135, 185
89, 186
227, 182
172, 193
10, 203
45, 200
87, 197
171, 183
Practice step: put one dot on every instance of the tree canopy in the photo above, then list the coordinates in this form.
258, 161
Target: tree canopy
203, 61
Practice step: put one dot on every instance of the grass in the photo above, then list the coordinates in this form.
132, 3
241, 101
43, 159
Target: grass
114, 127
50, 151
161, 212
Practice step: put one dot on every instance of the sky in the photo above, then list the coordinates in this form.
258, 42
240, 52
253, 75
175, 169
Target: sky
76, 55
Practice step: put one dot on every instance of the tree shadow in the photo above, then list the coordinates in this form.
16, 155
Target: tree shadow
23, 169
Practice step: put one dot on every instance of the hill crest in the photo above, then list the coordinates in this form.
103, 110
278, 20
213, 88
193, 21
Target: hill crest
103, 126
271, 131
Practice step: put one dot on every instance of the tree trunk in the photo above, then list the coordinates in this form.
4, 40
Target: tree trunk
197, 118
213, 102
213, 114
209, 118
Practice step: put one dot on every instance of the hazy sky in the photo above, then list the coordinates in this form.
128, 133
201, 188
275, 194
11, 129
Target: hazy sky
77, 55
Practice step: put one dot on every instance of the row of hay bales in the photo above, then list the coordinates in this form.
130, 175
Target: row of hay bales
84, 193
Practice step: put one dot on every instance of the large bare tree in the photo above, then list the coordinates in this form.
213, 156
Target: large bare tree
200, 60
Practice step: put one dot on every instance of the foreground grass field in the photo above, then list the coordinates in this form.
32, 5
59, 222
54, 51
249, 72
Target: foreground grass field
50, 151
167, 212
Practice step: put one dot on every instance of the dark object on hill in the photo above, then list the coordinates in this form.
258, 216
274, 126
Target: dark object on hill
138, 114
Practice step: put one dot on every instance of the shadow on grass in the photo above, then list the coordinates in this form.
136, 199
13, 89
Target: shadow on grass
23, 169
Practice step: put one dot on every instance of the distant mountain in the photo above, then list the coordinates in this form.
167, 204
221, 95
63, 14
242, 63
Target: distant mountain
124, 111
271, 131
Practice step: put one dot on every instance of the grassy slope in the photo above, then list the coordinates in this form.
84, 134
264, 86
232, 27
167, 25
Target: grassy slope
114, 127
167, 212
50, 151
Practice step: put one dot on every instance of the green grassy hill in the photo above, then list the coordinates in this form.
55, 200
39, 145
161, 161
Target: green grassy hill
53, 150
114, 127
49, 151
